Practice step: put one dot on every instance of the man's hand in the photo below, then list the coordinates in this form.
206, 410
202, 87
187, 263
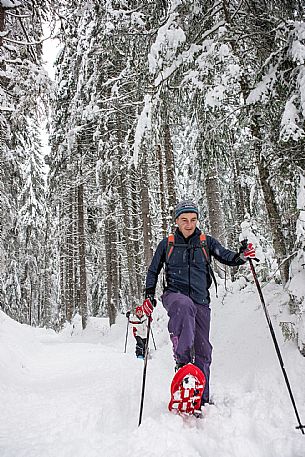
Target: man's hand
127, 314
152, 299
248, 252
147, 306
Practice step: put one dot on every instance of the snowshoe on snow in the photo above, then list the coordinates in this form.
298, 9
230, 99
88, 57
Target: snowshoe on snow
186, 390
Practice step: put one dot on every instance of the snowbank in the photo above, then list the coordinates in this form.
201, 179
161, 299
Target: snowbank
78, 394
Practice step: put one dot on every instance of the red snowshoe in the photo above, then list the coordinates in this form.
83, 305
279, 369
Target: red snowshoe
186, 390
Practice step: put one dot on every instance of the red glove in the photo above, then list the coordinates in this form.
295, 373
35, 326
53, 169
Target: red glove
147, 307
249, 252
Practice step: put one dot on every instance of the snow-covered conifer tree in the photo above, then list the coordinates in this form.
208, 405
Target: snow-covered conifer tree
24, 87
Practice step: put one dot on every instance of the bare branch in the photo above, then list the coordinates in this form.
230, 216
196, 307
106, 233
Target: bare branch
22, 16
25, 43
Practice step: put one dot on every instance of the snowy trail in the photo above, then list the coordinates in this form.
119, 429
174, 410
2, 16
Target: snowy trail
79, 395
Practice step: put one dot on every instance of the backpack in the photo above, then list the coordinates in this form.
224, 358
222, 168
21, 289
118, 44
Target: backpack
204, 247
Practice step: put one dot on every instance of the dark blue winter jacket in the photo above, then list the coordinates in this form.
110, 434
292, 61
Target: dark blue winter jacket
187, 270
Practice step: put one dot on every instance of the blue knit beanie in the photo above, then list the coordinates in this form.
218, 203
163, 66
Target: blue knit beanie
186, 206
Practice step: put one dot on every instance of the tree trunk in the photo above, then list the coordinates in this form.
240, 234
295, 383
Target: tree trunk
147, 236
269, 198
82, 256
111, 267
2, 22
170, 173
238, 193
274, 220
69, 267
215, 213
62, 264
136, 224
162, 189
127, 235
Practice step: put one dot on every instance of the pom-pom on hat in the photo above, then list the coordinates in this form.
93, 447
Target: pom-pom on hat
186, 206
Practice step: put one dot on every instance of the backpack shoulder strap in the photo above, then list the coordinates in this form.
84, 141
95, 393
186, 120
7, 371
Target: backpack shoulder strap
170, 245
204, 247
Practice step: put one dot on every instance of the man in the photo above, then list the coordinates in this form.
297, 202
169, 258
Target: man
186, 295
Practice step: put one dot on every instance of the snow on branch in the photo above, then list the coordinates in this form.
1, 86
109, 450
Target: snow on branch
301, 194
168, 39
289, 123
301, 86
9, 4
183, 57
300, 225
298, 44
6, 109
263, 88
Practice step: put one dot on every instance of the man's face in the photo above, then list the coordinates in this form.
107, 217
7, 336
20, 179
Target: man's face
187, 223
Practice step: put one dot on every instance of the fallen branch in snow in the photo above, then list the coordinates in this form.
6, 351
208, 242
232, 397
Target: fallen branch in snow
280, 265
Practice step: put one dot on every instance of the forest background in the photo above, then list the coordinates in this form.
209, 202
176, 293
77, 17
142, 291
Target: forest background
152, 102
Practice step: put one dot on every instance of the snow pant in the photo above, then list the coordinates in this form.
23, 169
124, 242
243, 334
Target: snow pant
140, 346
189, 329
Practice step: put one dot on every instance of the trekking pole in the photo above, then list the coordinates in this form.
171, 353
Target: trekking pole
244, 244
126, 335
152, 335
144, 371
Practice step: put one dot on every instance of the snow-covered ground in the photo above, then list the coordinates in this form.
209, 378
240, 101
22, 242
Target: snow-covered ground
76, 394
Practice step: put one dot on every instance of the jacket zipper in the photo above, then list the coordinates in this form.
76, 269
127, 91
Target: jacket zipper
189, 267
